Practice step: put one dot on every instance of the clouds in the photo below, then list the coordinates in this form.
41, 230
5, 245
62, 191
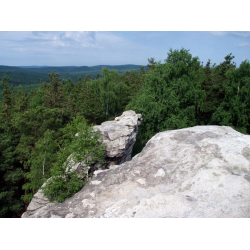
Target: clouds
71, 48
49, 40
243, 34
68, 39
76, 39
244, 44
242, 38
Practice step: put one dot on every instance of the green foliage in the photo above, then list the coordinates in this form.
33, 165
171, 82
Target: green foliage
213, 84
11, 173
53, 92
30, 77
7, 98
39, 121
85, 148
40, 161
21, 100
91, 106
10, 177
105, 98
36, 123
183, 93
171, 97
61, 188
234, 110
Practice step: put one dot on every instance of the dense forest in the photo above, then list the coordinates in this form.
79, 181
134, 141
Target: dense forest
37, 130
29, 76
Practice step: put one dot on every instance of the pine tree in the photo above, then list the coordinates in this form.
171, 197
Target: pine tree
53, 97
92, 108
21, 100
7, 100
11, 172
40, 161
11, 175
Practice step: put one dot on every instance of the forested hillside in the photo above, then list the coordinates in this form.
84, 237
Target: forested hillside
37, 130
30, 76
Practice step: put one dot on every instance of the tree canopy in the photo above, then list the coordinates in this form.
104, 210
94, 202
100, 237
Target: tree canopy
182, 93
37, 129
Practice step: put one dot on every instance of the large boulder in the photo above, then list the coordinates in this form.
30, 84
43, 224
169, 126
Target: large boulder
203, 171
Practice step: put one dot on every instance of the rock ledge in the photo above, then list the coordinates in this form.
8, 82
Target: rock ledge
198, 172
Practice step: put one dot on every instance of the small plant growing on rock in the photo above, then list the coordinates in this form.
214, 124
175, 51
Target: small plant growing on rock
85, 148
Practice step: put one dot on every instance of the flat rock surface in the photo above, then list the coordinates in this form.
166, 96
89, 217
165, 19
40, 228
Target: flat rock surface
198, 172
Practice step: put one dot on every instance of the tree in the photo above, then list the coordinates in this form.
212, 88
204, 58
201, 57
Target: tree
214, 82
11, 172
171, 97
134, 81
54, 91
32, 128
86, 79
40, 161
21, 100
208, 86
69, 87
7, 99
86, 148
91, 108
111, 93
11, 175
234, 109
151, 63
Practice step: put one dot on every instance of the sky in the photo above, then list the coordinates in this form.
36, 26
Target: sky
89, 48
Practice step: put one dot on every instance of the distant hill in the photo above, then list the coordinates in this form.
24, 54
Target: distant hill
30, 76
32, 67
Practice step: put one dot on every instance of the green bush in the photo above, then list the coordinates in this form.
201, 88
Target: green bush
85, 148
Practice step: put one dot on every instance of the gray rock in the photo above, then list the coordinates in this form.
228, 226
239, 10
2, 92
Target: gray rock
119, 137
198, 172
38, 202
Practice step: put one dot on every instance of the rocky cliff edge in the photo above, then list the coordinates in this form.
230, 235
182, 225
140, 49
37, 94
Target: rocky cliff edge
197, 172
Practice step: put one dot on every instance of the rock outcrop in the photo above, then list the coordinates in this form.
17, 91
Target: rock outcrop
203, 171
119, 137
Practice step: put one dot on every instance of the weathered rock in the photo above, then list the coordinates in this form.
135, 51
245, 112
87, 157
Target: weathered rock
79, 167
119, 137
38, 202
203, 171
